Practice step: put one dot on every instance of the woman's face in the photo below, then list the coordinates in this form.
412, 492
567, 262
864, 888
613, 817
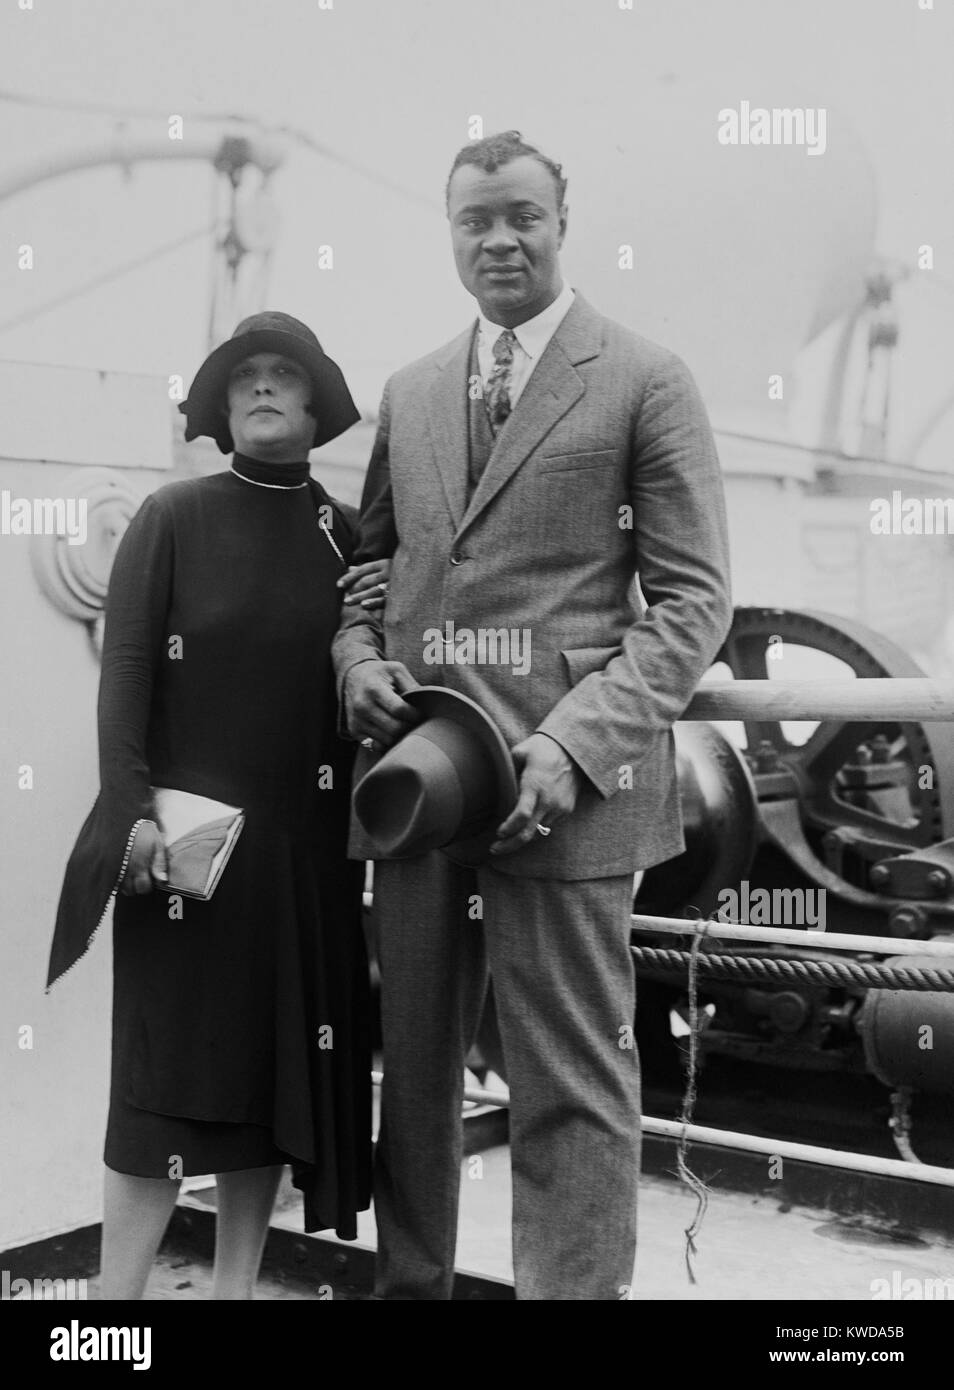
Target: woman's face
268, 399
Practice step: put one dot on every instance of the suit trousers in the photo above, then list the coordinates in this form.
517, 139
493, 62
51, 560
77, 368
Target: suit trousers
564, 986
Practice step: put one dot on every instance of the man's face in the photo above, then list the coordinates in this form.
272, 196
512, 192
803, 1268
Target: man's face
268, 399
507, 230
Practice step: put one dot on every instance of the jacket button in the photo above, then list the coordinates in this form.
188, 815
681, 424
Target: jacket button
457, 558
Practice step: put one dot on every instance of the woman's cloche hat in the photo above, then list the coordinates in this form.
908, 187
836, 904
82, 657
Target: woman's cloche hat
446, 784
269, 331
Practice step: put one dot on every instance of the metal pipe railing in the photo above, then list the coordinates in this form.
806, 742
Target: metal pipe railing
882, 697
870, 1164
790, 936
804, 1153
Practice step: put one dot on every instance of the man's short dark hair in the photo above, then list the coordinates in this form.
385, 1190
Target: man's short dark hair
488, 154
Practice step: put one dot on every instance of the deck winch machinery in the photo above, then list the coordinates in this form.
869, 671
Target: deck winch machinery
842, 826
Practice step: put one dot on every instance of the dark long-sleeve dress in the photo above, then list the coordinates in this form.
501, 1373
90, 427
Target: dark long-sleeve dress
240, 1032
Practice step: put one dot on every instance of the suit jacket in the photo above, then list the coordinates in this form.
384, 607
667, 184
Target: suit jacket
606, 469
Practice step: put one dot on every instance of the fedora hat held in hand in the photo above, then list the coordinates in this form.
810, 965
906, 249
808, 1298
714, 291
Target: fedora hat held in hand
446, 784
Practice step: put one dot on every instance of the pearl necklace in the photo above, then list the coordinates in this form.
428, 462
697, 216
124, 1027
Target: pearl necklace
281, 487
291, 487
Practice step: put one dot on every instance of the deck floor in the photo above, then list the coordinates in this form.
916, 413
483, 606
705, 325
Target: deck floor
749, 1247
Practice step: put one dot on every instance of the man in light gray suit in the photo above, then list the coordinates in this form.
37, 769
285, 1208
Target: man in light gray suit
524, 475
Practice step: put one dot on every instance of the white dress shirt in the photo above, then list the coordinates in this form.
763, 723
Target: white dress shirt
532, 338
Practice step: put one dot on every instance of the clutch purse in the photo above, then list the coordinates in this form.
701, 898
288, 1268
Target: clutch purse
199, 835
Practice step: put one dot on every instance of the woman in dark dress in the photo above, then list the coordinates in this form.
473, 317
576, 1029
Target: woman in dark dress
240, 1024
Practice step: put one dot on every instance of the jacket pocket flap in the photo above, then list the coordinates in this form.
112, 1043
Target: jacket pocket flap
582, 661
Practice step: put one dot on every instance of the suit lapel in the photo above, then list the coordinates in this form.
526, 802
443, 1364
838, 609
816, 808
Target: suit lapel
447, 420
553, 389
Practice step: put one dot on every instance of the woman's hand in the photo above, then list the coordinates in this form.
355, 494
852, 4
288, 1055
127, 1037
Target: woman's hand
367, 584
147, 862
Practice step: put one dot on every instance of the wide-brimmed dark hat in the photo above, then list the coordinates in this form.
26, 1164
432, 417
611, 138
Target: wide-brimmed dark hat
269, 331
446, 784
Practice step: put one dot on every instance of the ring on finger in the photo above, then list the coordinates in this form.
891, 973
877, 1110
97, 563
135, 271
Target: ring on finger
544, 829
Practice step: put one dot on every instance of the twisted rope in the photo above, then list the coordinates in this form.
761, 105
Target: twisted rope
692, 1181
817, 972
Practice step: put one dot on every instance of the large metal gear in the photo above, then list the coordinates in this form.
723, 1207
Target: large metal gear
833, 745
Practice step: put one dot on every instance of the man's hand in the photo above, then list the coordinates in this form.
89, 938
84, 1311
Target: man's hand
147, 862
550, 783
366, 584
373, 709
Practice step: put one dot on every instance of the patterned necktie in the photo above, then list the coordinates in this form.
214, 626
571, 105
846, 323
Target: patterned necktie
497, 390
